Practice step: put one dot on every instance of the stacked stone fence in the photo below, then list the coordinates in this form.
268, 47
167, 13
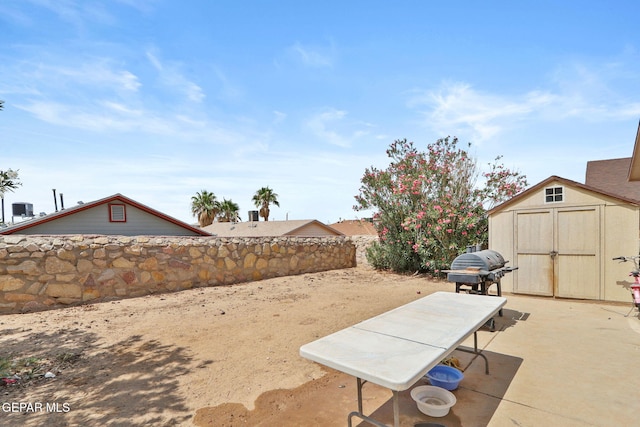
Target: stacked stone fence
362, 242
44, 272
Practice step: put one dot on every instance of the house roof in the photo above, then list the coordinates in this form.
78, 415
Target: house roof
634, 167
17, 228
612, 176
355, 227
563, 181
302, 227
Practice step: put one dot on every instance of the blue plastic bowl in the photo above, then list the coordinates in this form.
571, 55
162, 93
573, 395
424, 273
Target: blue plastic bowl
445, 376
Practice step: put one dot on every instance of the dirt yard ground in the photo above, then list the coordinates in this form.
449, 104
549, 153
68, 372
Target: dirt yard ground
221, 356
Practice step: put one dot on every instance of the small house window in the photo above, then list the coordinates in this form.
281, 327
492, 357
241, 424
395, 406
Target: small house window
117, 213
553, 194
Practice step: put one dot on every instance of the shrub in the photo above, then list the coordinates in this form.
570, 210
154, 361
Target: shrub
429, 206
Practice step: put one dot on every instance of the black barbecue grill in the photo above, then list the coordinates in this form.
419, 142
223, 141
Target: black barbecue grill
475, 272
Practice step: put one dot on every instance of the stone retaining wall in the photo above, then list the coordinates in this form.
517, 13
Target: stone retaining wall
362, 242
42, 272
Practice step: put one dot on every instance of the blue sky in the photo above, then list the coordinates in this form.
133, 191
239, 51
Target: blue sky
160, 99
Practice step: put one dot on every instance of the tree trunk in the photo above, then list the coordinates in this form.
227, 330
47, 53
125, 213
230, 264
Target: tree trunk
264, 213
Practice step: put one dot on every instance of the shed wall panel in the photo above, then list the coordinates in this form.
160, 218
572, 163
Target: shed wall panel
612, 229
501, 241
533, 241
622, 224
572, 197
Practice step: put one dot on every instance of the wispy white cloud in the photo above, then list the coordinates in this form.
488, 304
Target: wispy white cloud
593, 91
14, 15
313, 56
171, 77
123, 109
112, 117
141, 5
67, 10
153, 59
82, 14
574, 91
78, 14
85, 93
108, 116
279, 116
102, 74
330, 126
193, 91
101, 94
73, 74
458, 105
227, 90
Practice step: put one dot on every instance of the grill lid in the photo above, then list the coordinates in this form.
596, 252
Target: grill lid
485, 261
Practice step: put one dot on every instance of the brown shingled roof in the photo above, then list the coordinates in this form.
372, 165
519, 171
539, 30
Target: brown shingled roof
355, 227
611, 176
300, 227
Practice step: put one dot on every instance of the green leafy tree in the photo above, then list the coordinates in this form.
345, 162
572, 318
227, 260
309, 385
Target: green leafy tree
429, 205
205, 207
229, 211
263, 198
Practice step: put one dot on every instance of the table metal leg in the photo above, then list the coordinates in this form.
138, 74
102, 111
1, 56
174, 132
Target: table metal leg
476, 352
396, 409
361, 415
360, 384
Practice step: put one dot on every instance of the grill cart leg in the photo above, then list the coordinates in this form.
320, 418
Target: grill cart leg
499, 288
481, 288
471, 289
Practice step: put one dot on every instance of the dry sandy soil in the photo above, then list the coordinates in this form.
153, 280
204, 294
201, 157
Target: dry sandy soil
221, 356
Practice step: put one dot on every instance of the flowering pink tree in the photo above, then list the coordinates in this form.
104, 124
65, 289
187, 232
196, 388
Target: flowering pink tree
429, 206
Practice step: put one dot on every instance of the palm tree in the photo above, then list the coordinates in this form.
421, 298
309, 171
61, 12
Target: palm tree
9, 181
205, 207
263, 198
228, 211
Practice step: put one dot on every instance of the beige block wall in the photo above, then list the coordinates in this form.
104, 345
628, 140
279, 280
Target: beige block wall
43, 272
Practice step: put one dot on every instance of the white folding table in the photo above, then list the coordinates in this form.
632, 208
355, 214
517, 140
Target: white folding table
397, 348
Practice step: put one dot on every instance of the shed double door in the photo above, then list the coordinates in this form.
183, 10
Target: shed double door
558, 252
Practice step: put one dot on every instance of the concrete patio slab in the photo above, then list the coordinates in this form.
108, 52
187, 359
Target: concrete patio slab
552, 363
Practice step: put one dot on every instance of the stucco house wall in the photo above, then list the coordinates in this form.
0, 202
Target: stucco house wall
95, 220
113, 215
